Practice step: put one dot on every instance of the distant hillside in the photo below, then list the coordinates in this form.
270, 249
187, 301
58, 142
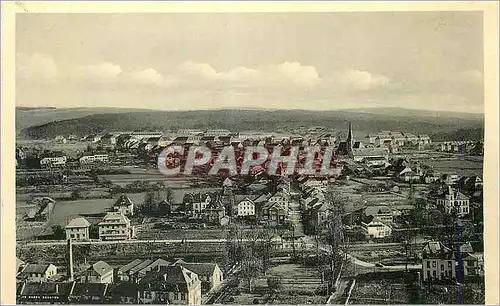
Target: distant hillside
32, 116
244, 120
459, 134
398, 111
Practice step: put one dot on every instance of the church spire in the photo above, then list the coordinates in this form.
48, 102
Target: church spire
349, 140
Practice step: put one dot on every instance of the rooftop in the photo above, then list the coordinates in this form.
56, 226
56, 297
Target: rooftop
78, 222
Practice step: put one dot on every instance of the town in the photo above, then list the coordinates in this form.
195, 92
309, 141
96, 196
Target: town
398, 219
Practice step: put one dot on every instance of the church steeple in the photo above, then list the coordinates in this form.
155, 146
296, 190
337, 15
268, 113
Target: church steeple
349, 135
349, 140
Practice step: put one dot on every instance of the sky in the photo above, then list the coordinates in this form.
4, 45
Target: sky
316, 61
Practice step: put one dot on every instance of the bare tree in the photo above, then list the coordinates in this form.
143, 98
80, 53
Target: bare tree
251, 249
333, 231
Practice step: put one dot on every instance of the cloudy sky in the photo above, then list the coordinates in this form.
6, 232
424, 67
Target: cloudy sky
424, 60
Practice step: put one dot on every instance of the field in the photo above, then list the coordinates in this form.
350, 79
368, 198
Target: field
466, 167
380, 288
300, 285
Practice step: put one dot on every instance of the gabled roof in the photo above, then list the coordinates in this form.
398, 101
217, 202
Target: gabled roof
79, 222
45, 289
155, 264
89, 289
466, 248
375, 210
101, 268
129, 266
170, 278
435, 249
140, 266
241, 197
262, 198
114, 218
19, 263
36, 268
123, 200
200, 268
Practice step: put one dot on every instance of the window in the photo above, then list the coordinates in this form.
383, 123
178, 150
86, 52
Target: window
434, 273
449, 264
183, 296
442, 267
434, 264
428, 264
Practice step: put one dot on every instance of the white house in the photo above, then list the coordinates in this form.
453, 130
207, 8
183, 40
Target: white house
376, 229
53, 161
38, 272
115, 226
99, 158
99, 272
454, 200
78, 229
246, 207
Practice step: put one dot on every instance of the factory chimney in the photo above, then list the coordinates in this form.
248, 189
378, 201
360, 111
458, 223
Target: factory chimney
70, 261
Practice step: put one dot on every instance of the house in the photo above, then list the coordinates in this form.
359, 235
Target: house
438, 262
170, 285
196, 203
376, 229
402, 210
454, 201
99, 272
431, 177
318, 214
380, 213
115, 226
89, 293
282, 198
375, 156
56, 161
122, 274
409, 175
154, 266
78, 229
450, 178
43, 293
42, 210
210, 274
214, 213
274, 212
19, 265
91, 159
122, 293
60, 139
473, 264
411, 138
245, 207
134, 271
38, 272
371, 138
424, 139
290, 241
124, 205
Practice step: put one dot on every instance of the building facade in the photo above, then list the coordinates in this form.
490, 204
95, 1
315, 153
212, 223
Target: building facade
115, 226
78, 229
